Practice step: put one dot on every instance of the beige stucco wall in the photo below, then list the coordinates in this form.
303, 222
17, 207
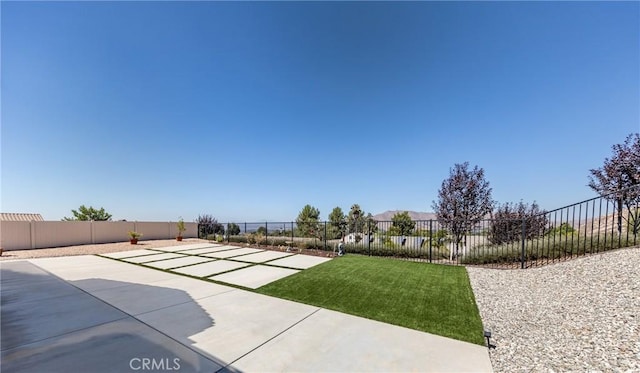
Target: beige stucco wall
154, 231
112, 231
21, 235
60, 233
15, 235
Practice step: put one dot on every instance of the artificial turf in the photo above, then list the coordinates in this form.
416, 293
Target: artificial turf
434, 298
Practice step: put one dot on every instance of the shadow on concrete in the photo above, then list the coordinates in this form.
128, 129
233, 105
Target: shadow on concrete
48, 325
149, 299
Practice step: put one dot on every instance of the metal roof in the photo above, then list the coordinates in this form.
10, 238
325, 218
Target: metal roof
11, 216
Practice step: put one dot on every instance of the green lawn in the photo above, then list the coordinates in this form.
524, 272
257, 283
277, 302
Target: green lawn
433, 298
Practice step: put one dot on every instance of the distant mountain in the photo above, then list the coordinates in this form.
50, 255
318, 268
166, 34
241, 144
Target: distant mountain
387, 215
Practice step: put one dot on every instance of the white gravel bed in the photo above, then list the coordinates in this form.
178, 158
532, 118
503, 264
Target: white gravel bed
577, 316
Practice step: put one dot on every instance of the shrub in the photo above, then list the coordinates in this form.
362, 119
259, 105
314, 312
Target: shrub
311, 245
562, 229
395, 251
508, 219
207, 225
238, 239
278, 242
256, 239
547, 248
233, 229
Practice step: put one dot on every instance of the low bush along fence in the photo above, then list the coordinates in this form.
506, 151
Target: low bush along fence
586, 227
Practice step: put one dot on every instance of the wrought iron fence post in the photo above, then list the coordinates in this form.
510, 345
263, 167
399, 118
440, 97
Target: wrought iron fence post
522, 258
369, 236
325, 236
430, 238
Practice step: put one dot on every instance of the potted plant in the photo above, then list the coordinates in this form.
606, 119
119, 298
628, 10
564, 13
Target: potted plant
133, 237
181, 228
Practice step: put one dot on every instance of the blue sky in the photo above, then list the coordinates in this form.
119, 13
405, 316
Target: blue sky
250, 110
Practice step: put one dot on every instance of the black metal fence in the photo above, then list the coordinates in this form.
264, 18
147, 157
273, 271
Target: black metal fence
588, 227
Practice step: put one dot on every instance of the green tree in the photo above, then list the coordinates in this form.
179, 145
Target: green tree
337, 223
308, 221
88, 214
355, 219
358, 222
439, 238
370, 224
233, 229
402, 224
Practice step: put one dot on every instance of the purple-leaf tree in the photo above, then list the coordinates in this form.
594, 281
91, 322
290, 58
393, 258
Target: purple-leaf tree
618, 180
464, 199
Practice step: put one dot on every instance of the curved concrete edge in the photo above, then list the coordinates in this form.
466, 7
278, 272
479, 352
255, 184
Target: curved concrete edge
333, 341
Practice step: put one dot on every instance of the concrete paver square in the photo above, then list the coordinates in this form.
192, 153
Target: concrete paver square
228, 247
178, 262
210, 268
151, 258
356, 344
135, 299
262, 257
300, 261
255, 276
231, 253
129, 254
241, 320
205, 250
187, 247
117, 346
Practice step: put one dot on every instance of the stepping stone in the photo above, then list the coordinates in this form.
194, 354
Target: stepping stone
254, 277
210, 268
232, 253
129, 254
187, 247
178, 262
151, 258
262, 257
300, 261
205, 250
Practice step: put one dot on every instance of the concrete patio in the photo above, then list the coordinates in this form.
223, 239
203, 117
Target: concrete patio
88, 313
